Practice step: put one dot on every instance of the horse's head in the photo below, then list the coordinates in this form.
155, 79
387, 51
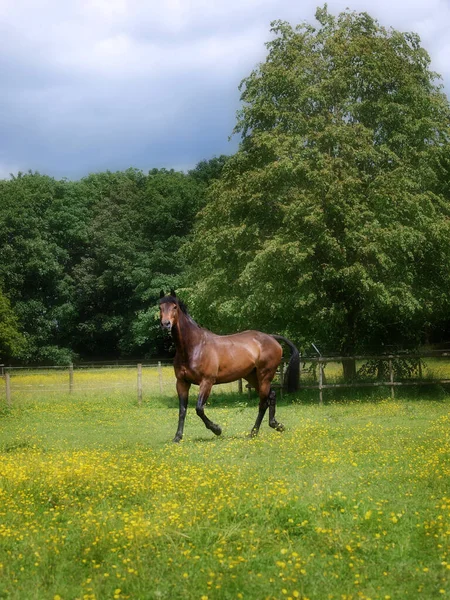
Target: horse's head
168, 310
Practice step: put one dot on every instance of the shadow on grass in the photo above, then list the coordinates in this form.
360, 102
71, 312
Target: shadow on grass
209, 440
17, 446
436, 392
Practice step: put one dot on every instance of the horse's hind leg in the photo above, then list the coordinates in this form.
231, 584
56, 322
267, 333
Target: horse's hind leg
205, 389
263, 403
267, 399
272, 408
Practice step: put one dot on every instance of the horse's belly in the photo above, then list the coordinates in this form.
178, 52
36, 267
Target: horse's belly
233, 370
230, 378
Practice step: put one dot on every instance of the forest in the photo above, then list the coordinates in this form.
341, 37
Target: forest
330, 224
82, 262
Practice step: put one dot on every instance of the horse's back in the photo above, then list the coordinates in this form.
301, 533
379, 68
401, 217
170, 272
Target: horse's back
241, 353
249, 338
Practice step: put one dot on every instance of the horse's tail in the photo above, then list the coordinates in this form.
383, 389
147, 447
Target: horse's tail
293, 369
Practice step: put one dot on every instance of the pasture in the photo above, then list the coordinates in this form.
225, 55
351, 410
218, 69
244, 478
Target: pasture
351, 501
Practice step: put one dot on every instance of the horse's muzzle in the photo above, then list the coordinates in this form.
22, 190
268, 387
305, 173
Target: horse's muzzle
166, 325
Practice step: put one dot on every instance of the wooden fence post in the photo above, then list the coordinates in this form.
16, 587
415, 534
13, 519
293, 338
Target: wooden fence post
281, 379
139, 383
391, 377
160, 378
8, 389
70, 378
320, 383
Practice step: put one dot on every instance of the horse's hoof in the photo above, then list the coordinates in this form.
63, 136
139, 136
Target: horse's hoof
253, 433
176, 439
277, 426
216, 430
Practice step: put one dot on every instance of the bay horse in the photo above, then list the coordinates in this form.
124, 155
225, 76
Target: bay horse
204, 358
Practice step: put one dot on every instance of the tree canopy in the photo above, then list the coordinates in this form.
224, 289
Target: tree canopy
331, 222
82, 262
11, 340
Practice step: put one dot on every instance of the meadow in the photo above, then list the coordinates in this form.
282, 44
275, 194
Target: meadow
351, 502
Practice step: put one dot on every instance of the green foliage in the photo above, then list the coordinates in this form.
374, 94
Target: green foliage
331, 224
208, 170
137, 224
39, 228
11, 340
82, 261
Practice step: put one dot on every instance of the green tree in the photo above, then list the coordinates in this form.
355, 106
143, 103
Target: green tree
11, 340
136, 225
103, 276
82, 261
329, 224
39, 228
166, 217
207, 171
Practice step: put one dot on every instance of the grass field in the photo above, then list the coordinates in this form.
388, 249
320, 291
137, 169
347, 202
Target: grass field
352, 501
34, 383
28, 384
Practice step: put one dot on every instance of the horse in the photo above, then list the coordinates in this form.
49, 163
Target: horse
204, 358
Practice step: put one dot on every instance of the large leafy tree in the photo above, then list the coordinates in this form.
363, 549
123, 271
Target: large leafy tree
81, 261
166, 216
103, 276
136, 225
11, 339
41, 232
330, 223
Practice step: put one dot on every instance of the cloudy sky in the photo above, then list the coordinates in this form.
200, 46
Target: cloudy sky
90, 85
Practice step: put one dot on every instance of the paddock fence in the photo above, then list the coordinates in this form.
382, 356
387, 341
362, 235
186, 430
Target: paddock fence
145, 380
386, 371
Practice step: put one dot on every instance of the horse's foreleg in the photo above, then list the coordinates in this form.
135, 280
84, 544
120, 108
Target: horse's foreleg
205, 389
183, 395
272, 407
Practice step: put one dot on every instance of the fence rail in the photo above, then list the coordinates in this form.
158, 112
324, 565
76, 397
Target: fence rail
79, 378
413, 369
145, 378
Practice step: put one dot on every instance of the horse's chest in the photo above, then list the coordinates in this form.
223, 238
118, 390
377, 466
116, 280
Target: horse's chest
188, 374
198, 367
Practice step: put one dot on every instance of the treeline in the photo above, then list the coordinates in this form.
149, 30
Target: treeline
82, 262
330, 224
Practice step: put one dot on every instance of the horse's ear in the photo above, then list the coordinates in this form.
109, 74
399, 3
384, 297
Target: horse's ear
161, 294
173, 293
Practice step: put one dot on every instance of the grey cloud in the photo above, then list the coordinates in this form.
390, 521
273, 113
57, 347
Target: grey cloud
87, 86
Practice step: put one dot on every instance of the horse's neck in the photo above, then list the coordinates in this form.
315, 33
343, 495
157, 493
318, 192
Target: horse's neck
185, 334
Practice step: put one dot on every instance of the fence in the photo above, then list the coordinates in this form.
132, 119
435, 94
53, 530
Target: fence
147, 379
144, 380
389, 371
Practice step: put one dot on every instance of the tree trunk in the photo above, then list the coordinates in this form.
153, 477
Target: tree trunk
349, 346
380, 370
349, 369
